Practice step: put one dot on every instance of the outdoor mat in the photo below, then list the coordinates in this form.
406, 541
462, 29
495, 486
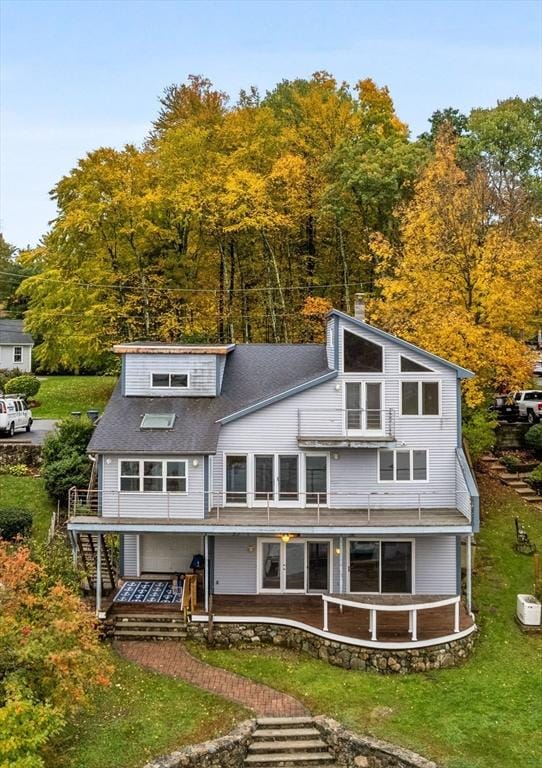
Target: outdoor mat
147, 592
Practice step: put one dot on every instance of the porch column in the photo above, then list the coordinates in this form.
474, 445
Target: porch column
341, 565
469, 574
99, 575
206, 571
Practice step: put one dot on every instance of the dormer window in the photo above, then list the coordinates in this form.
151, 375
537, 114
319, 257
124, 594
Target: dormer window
169, 380
361, 355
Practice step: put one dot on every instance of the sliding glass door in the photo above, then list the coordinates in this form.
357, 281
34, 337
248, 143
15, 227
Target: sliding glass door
380, 567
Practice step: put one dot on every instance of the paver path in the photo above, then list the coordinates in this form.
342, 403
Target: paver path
172, 658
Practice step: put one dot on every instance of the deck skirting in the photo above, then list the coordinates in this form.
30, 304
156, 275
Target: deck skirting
347, 652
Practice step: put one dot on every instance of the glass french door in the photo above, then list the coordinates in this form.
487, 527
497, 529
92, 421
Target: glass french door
294, 566
363, 403
380, 567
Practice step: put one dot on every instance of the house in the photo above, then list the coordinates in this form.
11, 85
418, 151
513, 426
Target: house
15, 346
325, 485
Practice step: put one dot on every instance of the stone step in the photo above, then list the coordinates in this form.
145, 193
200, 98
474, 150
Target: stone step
297, 759
512, 475
286, 733
532, 499
301, 745
151, 634
525, 490
273, 721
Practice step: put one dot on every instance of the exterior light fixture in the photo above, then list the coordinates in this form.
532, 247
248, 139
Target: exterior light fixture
286, 537
337, 550
195, 462
335, 457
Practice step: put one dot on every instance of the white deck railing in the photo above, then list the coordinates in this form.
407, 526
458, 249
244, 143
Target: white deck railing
373, 608
318, 423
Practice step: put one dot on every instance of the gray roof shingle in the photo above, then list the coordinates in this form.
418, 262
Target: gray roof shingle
254, 372
11, 332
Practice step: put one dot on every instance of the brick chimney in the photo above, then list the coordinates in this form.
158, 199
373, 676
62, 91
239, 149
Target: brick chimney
359, 307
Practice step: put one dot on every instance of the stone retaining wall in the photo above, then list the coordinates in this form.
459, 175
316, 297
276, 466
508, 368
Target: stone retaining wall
226, 635
353, 751
225, 752
510, 436
20, 453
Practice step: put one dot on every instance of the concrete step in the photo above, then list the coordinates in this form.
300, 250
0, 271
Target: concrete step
274, 721
297, 759
301, 745
151, 634
286, 733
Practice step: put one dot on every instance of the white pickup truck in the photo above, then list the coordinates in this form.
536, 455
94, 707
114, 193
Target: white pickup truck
529, 405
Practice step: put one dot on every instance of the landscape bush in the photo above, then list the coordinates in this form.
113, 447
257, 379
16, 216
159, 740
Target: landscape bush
533, 439
59, 476
8, 373
15, 470
26, 385
511, 462
535, 479
479, 432
70, 436
14, 522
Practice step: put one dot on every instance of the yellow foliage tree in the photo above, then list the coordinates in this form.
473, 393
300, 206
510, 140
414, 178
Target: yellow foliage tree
459, 284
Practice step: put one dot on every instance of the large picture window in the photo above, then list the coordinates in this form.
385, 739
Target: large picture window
152, 476
420, 398
402, 466
361, 355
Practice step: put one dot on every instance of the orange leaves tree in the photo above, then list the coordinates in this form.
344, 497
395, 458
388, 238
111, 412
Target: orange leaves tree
50, 657
460, 283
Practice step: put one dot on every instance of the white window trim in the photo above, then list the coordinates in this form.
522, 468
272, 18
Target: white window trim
20, 360
363, 382
371, 341
412, 540
281, 590
403, 482
164, 490
416, 380
170, 374
249, 483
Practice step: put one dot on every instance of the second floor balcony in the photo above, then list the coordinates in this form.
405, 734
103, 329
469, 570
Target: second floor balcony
346, 428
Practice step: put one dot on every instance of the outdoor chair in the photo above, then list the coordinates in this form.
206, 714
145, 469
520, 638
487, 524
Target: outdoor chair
523, 542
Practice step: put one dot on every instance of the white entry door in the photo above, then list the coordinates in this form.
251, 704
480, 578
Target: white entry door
282, 566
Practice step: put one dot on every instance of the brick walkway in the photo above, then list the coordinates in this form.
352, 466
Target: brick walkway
172, 658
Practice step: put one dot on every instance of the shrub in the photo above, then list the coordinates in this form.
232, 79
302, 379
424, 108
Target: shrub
59, 476
535, 479
14, 522
15, 470
479, 431
71, 436
533, 438
8, 373
26, 385
511, 462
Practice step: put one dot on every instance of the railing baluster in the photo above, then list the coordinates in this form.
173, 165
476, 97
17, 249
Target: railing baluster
456, 618
414, 624
325, 616
372, 623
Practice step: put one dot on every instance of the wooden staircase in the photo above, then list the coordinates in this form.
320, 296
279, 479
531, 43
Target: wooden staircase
288, 742
87, 549
148, 626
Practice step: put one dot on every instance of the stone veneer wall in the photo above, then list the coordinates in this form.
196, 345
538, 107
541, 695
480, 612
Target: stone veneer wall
226, 635
20, 453
225, 752
353, 751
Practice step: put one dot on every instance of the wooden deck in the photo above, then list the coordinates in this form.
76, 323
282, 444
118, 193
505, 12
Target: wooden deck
350, 622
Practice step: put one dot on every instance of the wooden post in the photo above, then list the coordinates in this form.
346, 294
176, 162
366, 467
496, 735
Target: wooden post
210, 621
325, 616
469, 574
99, 576
206, 573
456, 617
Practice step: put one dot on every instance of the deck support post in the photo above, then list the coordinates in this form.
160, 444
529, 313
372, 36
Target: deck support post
469, 574
341, 565
99, 575
206, 571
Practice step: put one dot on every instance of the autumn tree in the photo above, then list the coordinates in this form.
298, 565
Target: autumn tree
50, 657
459, 284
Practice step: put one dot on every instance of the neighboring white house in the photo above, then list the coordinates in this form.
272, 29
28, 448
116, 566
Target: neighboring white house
15, 346
333, 470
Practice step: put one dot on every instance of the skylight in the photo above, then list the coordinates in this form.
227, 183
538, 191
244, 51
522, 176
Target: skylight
158, 421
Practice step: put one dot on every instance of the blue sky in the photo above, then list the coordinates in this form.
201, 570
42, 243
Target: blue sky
78, 75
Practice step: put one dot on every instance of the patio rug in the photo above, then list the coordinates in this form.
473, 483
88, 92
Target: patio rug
147, 592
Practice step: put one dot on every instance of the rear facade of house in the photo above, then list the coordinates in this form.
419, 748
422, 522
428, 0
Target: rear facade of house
335, 471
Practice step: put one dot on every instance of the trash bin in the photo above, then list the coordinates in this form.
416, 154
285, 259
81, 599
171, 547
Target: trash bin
93, 415
76, 414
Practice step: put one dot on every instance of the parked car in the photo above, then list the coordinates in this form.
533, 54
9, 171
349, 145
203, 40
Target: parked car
537, 368
505, 407
14, 414
529, 403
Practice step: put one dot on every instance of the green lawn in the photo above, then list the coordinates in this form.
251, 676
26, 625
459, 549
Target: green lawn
60, 395
485, 714
28, 493
141, 715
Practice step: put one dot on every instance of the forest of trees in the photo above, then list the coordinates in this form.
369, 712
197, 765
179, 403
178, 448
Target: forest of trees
245, 222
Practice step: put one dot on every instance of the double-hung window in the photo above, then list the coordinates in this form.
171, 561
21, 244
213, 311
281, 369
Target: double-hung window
169, 380
153, 476
420, 398
407, 466
17, 354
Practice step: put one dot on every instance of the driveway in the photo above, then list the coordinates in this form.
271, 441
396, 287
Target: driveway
40, 430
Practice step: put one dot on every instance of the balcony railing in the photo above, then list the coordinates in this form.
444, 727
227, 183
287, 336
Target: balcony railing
349, 423
307, 506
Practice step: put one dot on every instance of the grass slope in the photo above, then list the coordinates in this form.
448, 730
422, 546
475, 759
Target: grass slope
60, 395
484, 714
28, 493
140, 716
